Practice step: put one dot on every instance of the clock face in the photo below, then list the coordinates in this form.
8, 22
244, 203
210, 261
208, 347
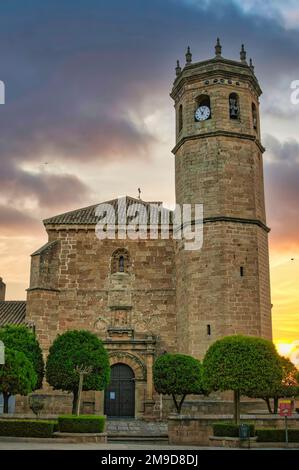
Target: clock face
202, 113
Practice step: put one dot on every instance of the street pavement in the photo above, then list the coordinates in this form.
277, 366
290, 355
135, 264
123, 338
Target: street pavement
14, 445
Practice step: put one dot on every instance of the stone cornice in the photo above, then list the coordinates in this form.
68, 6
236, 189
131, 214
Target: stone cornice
42, 289
217, 67
237, 220
120, 307
144, 341
59, 227
220, 133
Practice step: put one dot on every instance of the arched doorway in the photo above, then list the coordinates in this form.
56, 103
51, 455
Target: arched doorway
120, 393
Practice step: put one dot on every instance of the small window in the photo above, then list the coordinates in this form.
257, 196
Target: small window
180, 118
241, 271
120, 261
121, 264
254, 116
234, 106
209, 330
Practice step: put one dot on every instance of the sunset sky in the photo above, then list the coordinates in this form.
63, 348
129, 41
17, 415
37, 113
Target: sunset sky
88, 115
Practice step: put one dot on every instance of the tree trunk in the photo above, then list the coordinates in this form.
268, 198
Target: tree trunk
267, 400
275, 405
175, 403
180, 404
81, 377
75, 400
237, 406
5, 401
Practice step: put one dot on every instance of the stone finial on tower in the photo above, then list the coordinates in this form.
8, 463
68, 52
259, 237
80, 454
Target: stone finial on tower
178, 68
2, 289
218, 48
243, 54
251, 64
188, 56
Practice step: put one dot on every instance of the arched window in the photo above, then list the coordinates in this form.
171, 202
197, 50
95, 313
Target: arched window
254, 116
203, 105
120, 261
234, 106
180, 117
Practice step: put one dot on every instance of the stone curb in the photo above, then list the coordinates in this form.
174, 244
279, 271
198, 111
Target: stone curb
58, 437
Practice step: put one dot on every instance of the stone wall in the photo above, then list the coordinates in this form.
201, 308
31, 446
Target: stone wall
211, 290
55, 402
88, 296
221, 406
192, 430
133, 312
224, 173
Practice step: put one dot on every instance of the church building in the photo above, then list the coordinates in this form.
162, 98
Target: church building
145, 296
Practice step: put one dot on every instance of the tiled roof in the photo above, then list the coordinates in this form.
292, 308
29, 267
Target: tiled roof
88, 215
44, 248
12, 312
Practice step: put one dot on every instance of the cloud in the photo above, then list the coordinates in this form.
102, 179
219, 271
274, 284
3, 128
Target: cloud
286, 153
82, 79
18, 223
282, 190
44, 190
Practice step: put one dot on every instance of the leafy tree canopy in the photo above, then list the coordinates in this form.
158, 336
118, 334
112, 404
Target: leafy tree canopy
17, 376
76, 348
21, 338
245, 364
288, 387
177, 374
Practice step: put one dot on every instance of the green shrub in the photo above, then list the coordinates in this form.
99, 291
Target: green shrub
230, 429
82, 423
277, 435
26, 428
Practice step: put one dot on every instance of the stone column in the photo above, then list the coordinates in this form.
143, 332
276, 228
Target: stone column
149, 378
99, 402
149, 401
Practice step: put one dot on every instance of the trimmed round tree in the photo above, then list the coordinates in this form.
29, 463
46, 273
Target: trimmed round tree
21, 338
177, 375
244, 364
17, 376
74, 349
288, 387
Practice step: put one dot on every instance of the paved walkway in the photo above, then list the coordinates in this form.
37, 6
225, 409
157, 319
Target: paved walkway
13, 445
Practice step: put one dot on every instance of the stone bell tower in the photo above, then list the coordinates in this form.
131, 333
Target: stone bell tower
223, 288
